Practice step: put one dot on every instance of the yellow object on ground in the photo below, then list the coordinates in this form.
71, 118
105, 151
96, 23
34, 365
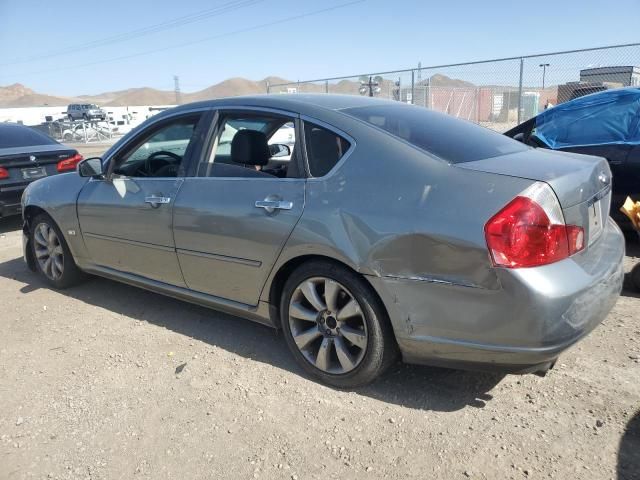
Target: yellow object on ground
632, 210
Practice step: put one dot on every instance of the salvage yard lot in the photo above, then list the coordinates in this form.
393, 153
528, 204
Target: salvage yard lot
107, 381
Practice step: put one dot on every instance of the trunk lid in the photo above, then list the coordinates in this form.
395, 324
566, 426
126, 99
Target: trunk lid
26, 164
575, 178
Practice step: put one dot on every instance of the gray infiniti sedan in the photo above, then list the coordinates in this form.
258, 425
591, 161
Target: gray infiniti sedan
383, 229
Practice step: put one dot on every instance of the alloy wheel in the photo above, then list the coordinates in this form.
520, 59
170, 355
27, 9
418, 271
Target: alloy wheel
328, 325
48, 251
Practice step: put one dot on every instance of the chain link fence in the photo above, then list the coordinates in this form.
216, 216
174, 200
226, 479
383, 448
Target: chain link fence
498, 94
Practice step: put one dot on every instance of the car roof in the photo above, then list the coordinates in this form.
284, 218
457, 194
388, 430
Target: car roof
7, 127
303, 103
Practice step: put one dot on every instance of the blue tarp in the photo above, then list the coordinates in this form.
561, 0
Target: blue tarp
603, 118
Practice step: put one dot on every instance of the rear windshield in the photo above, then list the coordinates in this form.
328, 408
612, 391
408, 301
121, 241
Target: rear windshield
12, 137
451, 139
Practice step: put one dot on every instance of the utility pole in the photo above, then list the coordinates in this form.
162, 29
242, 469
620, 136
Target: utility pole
176, 88
544, 72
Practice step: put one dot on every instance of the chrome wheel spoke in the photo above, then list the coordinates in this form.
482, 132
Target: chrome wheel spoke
331, 291
39, 238
58, 250
298, 311
47, 266
309, 291
52, 237
322, 360
344, 357
41, 252
351, 309
356, 337
57, 266
306, 337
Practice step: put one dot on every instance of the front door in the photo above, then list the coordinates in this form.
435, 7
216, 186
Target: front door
234, 214
126, 218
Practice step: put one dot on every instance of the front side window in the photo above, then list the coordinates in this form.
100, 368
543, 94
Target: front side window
253, 145
446, 137
324, 149
161, 152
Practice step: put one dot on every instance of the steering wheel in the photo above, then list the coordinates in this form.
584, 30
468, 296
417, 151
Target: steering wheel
160, 153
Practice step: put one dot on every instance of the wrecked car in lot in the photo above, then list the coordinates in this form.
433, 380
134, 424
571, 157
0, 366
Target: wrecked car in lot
387, 228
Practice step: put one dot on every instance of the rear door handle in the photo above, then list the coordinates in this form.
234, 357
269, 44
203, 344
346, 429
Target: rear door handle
156, 200
272, 205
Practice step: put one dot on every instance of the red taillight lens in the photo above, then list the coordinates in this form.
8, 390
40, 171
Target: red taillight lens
522, 235
69, 164
4, 173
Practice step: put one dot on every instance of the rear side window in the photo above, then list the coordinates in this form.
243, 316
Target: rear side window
324, 149
13, 137
446, 137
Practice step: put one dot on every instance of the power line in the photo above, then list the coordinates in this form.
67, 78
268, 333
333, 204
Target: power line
166, 25
193, 42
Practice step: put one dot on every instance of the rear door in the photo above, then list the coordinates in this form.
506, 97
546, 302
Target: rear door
126, 218
232, 219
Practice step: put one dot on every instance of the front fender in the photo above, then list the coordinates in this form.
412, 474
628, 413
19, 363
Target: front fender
57, 196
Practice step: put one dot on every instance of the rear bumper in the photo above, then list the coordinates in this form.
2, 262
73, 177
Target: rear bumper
10, 202
522, 326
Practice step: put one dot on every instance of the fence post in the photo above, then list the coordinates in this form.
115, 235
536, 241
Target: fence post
520, 90
326, 86
413, 86
268, 87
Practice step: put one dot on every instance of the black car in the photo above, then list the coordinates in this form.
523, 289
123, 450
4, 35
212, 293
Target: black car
27, 155
605, 124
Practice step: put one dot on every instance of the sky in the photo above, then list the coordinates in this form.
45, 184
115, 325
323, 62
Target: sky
73, 48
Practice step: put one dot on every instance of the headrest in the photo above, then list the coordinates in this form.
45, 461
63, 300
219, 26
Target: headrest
250, 147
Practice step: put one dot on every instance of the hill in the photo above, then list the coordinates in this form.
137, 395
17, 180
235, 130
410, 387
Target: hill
17, 95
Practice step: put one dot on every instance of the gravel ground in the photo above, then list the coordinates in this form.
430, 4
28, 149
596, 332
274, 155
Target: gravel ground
107, 381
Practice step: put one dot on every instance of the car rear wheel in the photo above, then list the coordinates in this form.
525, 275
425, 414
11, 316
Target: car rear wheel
335, 326
52, 256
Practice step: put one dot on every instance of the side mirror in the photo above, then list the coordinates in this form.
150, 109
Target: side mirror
91, 167
279, 150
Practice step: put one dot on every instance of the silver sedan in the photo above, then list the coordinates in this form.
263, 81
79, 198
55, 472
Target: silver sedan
382, 229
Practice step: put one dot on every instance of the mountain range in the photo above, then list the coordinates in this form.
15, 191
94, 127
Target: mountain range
18, 95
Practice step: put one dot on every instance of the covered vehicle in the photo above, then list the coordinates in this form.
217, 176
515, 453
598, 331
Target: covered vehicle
390, 228
606, 124
27, 155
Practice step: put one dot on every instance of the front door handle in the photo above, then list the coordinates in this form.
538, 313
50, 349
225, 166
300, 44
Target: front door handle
272, 205
157, 200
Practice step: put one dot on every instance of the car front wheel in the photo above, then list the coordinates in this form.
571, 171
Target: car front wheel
52, 256
335, 326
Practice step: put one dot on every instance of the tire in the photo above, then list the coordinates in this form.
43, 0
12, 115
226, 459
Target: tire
62, 271
85, 117
635, 277
322, 347
70, 118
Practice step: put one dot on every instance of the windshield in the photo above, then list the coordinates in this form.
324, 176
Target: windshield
449, 138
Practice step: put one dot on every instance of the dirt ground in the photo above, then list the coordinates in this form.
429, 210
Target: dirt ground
107, 381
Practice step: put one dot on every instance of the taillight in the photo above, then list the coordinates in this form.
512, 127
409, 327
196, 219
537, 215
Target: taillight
530, 231
69, 164
4, 173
